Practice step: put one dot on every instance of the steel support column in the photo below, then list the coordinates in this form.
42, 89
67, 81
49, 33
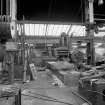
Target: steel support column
90, 31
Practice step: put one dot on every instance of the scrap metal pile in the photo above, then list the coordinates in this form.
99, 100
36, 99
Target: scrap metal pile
8, 90
77, 56
71, 72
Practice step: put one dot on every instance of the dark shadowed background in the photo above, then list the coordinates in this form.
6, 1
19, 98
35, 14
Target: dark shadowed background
56, 10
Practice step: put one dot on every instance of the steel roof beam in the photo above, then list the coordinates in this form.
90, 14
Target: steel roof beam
56, 39
48, 22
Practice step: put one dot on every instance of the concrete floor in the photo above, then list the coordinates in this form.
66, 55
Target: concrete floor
44, 93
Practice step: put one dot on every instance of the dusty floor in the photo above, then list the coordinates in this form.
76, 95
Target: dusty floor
42, 92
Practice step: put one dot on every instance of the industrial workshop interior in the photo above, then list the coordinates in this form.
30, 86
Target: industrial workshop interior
52, 52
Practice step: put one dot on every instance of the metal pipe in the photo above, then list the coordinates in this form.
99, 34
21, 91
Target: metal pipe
78, 95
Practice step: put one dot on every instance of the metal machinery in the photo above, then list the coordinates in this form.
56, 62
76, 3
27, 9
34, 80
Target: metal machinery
7, 24
63, 50
7, 54
92, 90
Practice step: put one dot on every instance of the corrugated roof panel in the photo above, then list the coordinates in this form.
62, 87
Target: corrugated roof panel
50, 29
64, 28
73, 28
84, 30
45, 29
67, 28
59, 30
41, 29
77, 30
55, 30
31, 29
27, 29
80, 31
36, 28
